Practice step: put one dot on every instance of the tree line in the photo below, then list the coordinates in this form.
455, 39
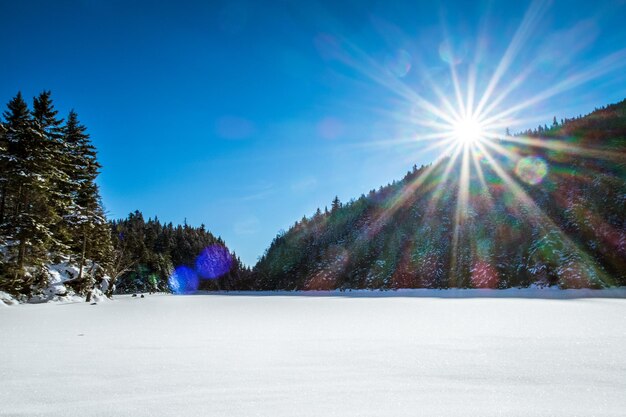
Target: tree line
557, 220
147, 253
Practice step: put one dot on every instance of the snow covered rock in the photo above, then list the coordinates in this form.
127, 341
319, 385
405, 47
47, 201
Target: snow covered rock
6, 299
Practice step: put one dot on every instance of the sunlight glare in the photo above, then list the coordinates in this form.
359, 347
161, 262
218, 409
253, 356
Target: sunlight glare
468, 131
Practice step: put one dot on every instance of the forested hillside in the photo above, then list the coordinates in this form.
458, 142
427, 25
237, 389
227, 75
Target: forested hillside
545, 207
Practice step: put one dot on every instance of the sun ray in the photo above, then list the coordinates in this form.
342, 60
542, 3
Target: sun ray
542, 219
444, 178
569, 148
412, 187
530, 21
512, 86
471, 90
481, 175
434, 140
501, 150
457, 89
370, 68
610, 63
461, 214
440, 95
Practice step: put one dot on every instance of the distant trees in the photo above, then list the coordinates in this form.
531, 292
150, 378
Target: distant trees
146, 253
335, 205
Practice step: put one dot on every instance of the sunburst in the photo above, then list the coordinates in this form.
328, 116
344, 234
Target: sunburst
468, 126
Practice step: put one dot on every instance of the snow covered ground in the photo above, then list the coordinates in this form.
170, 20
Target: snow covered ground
466, 354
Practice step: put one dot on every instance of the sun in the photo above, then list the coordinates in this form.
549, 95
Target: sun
468, 131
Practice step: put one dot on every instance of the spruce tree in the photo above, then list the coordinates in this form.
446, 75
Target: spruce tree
3, 172
85, 219
27, 215
56, 163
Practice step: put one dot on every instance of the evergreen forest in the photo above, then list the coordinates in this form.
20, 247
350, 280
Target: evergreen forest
552, 216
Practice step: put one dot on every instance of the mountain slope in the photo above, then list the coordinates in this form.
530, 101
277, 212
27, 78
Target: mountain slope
547, 207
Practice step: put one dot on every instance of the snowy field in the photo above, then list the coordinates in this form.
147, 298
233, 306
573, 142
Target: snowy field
422, 354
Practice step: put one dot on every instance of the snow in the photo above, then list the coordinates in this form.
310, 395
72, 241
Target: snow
57, 275
411, 353
58, 291
6, 299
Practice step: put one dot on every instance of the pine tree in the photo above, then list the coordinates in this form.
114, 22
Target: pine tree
85, 219
56, 164
27, 216
3, 173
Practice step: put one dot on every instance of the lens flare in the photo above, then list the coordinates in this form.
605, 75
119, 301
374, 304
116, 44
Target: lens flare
184, 280
531, 169
452, 54
330, 128
399, 63
213, 262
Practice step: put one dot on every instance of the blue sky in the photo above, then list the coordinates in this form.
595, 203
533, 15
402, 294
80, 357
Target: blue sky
246, 115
